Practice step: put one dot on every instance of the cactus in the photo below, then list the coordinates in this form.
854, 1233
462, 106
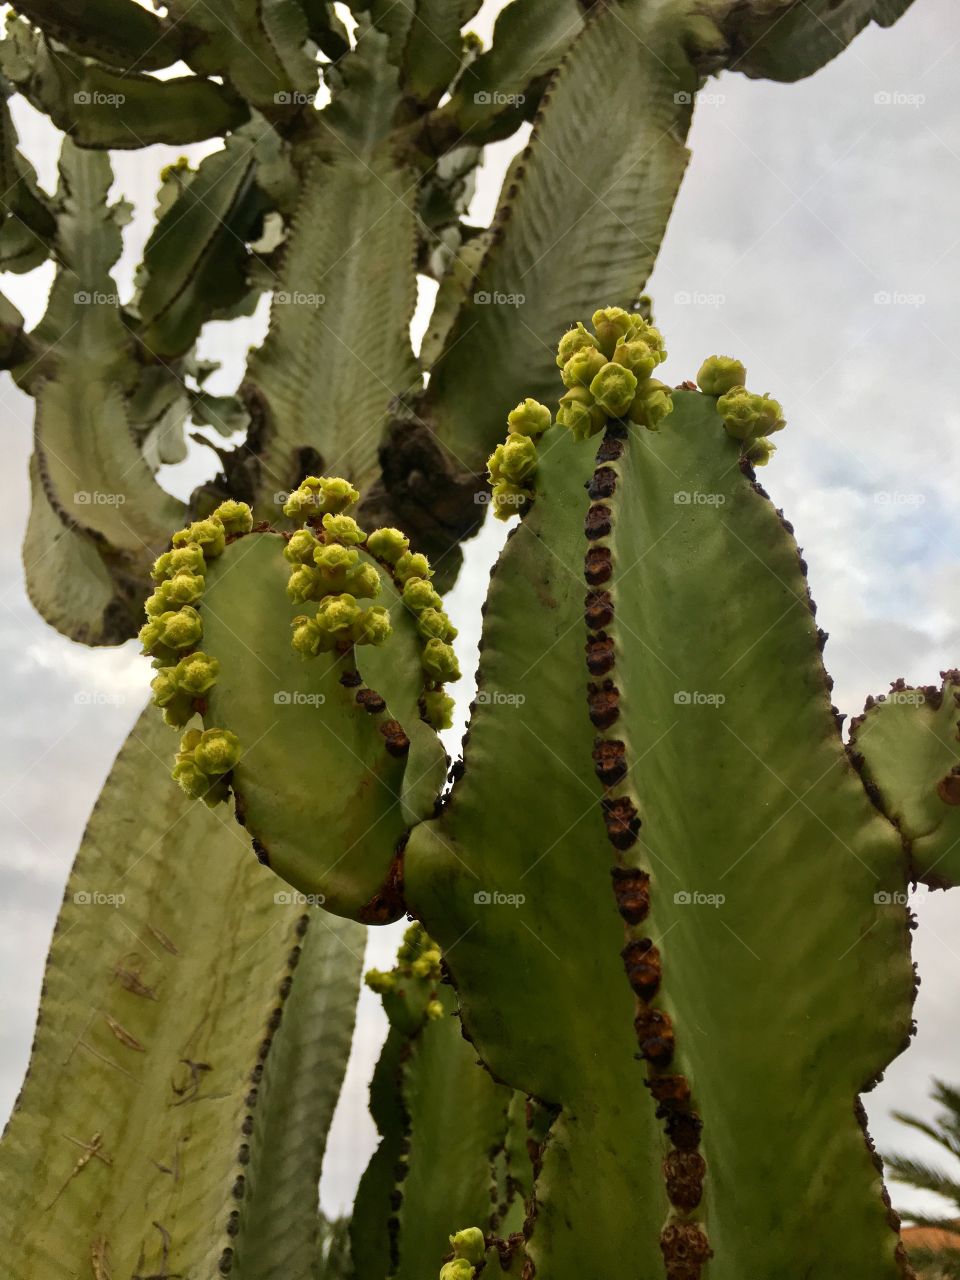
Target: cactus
584, 1072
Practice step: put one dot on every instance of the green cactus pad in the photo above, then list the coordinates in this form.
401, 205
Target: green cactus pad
907, 745
563, 1031
333, 771
677, 507
164, 1060
440, 1115
770, 923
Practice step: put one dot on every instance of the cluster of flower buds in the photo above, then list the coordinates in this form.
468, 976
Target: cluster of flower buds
333, 562
204, 763
327, 566
171, 636
607, 373
512, 465
469, 1247
748, 417
415, 974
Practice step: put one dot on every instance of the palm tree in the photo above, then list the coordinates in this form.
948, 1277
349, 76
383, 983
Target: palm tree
933, 1242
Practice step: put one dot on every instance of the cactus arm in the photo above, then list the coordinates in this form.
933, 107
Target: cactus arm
196, 260
580, 226
338, 350
278, 1233
808, 836
28, 225
159, 1016
89, 475
905, 745
493, 837
100, 108
440, 1115
433, 51
789, 41
259, 46
332, 824
71, 584
530, 39
120, 33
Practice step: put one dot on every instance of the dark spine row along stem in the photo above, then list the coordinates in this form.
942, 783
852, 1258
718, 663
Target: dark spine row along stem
683, 1240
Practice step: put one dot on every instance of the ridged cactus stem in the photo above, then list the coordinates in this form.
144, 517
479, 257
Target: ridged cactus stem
683, 1239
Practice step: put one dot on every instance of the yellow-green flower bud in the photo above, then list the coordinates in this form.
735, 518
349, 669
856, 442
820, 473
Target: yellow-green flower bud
651, 404
637, 357
434, 623
514, 461
179, 712
343, 529
374, 626
469, 1244
388, 544
418, 595
581, 369
760, 451
320, 495
196, 674
187, 559
150, 635
611, 324
380, 982
334, 560
191, 779
427, 964
181, 589
301, 546
180, 630
156, 604
613, 389
747, 416
236, 517
305, 583
165, 687
720, 374
363, 581
574, 340
217, 752
306, 639
434, 1010
209, 535
438, 708
509, 499
439, 661
578, 413
458, 1269
529, 418
413, 565
337, 617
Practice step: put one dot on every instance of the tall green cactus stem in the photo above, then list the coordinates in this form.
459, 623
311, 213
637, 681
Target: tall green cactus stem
440, 1115
192, 1017
353, 698
708, 892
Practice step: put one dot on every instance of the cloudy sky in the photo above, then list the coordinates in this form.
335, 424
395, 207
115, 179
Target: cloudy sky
816, 238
